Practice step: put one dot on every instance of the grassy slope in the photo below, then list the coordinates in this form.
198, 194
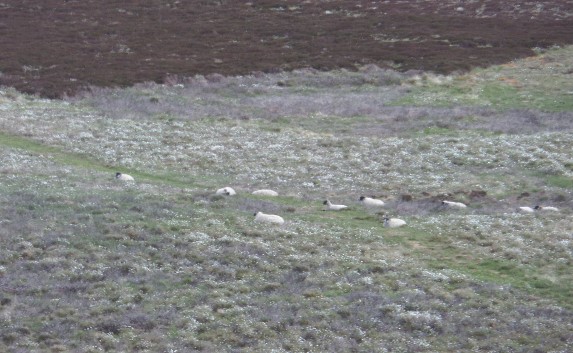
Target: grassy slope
542, 82
89, 264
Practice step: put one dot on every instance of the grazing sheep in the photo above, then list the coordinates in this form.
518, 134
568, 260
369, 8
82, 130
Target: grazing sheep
452, 204
266, 192
546, 208
393, 222
268, 218
332, 207
226, 191
525, 209
125, 177
371, 202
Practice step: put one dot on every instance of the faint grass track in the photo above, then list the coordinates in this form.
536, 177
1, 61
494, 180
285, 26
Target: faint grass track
84, 161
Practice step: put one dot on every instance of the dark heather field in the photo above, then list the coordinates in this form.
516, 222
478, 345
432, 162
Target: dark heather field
55, 47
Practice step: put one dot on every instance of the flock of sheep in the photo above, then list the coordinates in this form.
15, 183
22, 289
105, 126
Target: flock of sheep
369, 202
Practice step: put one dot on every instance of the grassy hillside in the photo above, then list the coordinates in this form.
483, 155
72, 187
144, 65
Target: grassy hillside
540, 82
91, 264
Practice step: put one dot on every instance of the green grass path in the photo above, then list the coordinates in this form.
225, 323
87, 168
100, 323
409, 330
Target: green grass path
83, 161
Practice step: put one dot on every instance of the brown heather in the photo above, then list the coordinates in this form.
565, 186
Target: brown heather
55, 48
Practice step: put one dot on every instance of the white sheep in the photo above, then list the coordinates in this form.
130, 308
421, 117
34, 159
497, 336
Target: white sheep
266, 192
124, 177
371, 202
525, 209
268, 218
546, 208
229, 191
453, 204
332, 207
393, 222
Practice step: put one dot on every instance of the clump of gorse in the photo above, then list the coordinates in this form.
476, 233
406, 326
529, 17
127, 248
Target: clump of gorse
165, 265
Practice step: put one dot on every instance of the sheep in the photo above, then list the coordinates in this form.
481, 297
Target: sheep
333, 207
393, 222
452, 204
546, 208
124, 177
371, 202
266, 192
525, 209
226, 191
268, 218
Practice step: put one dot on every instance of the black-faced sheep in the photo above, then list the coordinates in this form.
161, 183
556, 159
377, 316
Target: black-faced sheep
332, 207
393, 222
268, 218
124, 177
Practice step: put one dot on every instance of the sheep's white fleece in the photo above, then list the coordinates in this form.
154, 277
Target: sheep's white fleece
266, 192
268, 218
226, 191
394, 222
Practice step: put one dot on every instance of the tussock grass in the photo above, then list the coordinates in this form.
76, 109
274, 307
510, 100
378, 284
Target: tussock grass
164, 264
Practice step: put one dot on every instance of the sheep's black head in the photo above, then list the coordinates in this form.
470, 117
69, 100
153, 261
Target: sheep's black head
537, 207
362, 198
325, 202
118, 175
255, 214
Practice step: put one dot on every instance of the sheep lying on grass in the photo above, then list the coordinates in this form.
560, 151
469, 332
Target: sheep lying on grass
268, 218
525, 209
371, 202
546, 208
229, 191
393, 222
453, 204
266, 192
332, 207
124, 177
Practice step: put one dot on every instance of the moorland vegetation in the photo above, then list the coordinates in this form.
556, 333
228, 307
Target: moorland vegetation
412, 103
164, 264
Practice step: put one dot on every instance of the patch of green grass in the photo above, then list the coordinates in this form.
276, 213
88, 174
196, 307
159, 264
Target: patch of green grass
500, 96
437, 130
25, 144
561, 181
440, 96
353, 218
333, 293
506, 272
405, 237
86, 162
491, 94
523, 277
497, 270
531, 83
440, 251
